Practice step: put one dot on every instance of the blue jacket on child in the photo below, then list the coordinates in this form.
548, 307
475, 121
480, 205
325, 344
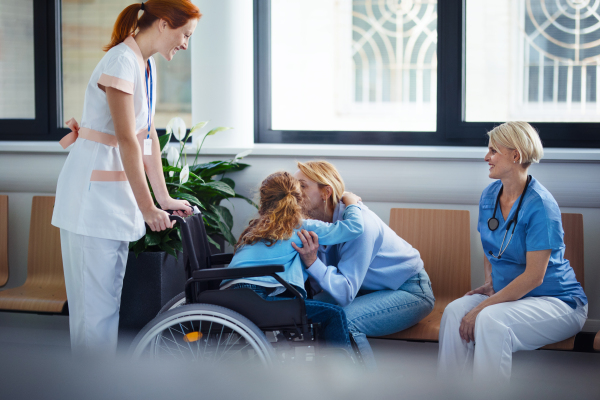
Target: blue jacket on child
282, 252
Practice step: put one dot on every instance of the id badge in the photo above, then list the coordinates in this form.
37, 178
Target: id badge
147, 147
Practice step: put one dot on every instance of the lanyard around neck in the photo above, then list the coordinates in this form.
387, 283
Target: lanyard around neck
149, 92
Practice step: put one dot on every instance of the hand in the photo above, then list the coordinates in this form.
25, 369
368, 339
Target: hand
158, 220
487, 289
467, 325
350, 198
310, 246
181, 208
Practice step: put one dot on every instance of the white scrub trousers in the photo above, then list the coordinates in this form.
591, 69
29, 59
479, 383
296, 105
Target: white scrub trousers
94, 269
500, 330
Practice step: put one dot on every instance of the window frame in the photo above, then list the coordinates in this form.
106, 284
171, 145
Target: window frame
36, 128
48, 124
452, 129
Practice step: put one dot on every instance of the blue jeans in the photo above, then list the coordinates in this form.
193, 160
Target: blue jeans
334, 325
383, 312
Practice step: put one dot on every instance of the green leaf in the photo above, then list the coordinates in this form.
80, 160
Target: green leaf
165, 239
227, 233
139, 247
224, 214
229, 181
163, 140
211, 241
221, 187
152, 238
217, 130
177, 245
217, 167
192, 199
210, 218
168, 249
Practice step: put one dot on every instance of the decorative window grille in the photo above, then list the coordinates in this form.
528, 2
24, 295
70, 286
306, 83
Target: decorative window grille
394, 51
561, 53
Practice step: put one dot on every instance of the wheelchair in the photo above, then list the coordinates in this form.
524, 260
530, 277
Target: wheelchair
206, 324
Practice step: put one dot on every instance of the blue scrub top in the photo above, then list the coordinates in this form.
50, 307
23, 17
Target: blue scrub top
539, 227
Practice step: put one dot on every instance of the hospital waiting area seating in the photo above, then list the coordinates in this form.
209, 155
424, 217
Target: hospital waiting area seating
44, 290
3, 240
441, 236
443, 240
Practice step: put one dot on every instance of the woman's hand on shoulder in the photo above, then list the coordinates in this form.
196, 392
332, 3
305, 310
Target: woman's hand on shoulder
181, 208
487, 289
350, 198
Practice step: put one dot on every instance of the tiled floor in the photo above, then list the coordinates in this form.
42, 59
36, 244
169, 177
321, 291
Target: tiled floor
34, 363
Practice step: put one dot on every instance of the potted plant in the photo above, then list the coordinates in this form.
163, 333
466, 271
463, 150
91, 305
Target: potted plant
155, 272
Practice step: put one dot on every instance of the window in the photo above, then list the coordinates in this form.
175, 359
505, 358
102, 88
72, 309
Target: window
538, 58
17, 80
86, 29
24, 69
423, 72
354, 65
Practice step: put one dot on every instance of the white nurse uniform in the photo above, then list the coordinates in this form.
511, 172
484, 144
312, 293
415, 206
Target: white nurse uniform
95, 207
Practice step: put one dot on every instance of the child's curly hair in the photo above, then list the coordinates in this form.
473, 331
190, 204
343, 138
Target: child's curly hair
279, 213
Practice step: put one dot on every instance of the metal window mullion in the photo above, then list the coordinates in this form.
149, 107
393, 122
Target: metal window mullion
555, 84
583, 87
541, 80
597, 85
526, 74
569, 86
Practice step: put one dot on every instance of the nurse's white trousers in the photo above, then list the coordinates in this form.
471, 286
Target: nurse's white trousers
500, 330
94, 270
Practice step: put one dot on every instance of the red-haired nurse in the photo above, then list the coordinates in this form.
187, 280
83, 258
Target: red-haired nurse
102, 197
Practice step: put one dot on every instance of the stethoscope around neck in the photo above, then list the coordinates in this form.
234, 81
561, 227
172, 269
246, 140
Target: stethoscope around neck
493, 222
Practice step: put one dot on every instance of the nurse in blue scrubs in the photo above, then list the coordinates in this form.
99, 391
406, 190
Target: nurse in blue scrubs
530, 297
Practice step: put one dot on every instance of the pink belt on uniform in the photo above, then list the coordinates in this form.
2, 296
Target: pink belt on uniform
94, 136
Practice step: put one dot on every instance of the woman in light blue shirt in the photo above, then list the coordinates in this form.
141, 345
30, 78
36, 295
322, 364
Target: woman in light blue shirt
269, 239
531, 297
378, 278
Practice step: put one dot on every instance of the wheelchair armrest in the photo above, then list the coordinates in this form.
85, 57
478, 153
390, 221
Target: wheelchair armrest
221, 258
235, 273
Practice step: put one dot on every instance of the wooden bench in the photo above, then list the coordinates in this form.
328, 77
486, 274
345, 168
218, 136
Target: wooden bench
3, 240
44, 290
443, 239
573, 227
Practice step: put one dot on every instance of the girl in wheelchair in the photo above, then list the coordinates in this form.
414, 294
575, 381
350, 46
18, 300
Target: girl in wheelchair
268, 240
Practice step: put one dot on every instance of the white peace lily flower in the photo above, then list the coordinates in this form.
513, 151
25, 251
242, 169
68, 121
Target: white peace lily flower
195, 132
242, 154
169, 127
172, 155
179, 129
184, 175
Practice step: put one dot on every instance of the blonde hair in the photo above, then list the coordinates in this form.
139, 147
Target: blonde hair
324, 174
520, 136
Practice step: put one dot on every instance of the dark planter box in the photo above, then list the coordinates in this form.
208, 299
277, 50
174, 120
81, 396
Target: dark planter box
151, 280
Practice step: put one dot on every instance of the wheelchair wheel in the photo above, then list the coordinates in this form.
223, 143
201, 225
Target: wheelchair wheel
203, 333
175, 302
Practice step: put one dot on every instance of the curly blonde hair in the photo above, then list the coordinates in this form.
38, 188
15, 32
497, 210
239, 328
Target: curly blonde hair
279, 212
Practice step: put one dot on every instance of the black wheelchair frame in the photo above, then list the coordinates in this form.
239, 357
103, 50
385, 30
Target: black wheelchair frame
203, 281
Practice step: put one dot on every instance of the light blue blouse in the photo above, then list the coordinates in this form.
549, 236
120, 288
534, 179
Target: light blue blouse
282, 252
539, 227
377, 260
